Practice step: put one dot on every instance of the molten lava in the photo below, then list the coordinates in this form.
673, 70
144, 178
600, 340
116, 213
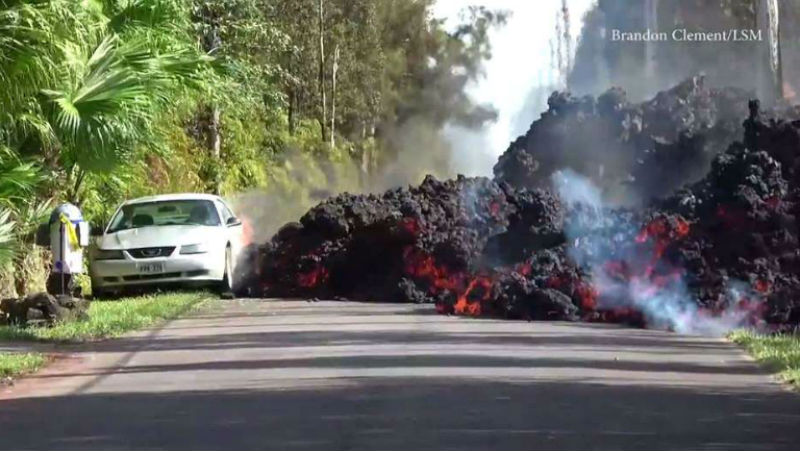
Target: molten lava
314, 278
420, 265
439, 278
513, 247
480, 286
643, 270
473, 292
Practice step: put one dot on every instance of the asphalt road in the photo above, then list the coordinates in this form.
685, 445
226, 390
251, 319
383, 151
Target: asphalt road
285, 375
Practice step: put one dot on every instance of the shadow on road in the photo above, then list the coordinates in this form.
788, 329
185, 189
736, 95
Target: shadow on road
407, 414
314, 377
431, 360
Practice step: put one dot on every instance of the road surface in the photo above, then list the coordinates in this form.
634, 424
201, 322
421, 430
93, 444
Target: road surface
297, 375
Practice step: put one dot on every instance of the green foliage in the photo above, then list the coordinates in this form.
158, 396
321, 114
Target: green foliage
112, 318
781, 353
105, 114
18, 364
19, 211
88, 78
6, 238
16, 177
106, 100
85, 82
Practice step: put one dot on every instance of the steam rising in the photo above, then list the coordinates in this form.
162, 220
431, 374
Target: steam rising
600, 238
618, 144
303, 180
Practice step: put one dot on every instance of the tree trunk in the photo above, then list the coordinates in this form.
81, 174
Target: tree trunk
650, 24
211, 41
291, 111
292, 95
74, 181
368, 155
323, 119
20, 279
215, 145
559, 52
567, 42
333, 95
770, 74
775, 46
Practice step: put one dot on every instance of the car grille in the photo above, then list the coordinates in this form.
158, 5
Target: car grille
198, 273
165, 275
151, 252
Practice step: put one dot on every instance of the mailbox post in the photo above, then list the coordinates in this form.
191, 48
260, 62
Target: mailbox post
68, 235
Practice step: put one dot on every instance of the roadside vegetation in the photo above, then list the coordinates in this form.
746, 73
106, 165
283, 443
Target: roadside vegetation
780, 353
18, 364
105, 100
109, 319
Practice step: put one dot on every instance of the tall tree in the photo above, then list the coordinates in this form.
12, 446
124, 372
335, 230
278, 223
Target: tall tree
210, 15
333, 95
323, 121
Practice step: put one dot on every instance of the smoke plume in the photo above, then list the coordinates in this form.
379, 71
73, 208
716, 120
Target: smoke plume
627, 268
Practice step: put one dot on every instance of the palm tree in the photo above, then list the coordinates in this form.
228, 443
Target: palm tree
17, 180
6, 238
103, 116
87, 78
82, 84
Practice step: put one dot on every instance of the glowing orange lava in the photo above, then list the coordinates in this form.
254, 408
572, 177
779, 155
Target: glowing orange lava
315, 277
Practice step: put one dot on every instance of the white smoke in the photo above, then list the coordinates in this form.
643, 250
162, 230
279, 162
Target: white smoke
520, 62
597, 237
574, 189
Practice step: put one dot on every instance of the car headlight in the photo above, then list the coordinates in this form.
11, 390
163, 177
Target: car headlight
102, 254
200, 248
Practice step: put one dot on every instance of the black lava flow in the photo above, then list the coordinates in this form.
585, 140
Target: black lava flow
717, 199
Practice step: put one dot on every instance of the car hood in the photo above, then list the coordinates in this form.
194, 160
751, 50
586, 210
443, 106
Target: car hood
158, 236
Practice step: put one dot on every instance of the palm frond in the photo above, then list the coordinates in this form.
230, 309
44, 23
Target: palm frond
125, 15
6, 238
88, 77
30, 214
30, 124
16, 177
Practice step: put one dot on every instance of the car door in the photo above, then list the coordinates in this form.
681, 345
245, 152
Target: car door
233, 228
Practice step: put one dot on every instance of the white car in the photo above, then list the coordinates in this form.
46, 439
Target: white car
175, 238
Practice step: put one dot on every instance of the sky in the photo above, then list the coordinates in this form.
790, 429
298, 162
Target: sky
520, 60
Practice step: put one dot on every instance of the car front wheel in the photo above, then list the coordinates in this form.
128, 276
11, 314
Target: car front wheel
225, 287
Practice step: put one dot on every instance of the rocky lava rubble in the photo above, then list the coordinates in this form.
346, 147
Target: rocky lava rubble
721, 250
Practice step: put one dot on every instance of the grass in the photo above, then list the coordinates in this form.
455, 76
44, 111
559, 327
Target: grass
781, 353
112, 318
17, 364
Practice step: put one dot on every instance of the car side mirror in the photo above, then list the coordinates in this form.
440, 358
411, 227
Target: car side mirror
96, 228
233, 221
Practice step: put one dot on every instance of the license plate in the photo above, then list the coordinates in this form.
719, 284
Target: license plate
150, 268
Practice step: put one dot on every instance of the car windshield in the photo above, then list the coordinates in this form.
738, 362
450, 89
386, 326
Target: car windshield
163, 213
